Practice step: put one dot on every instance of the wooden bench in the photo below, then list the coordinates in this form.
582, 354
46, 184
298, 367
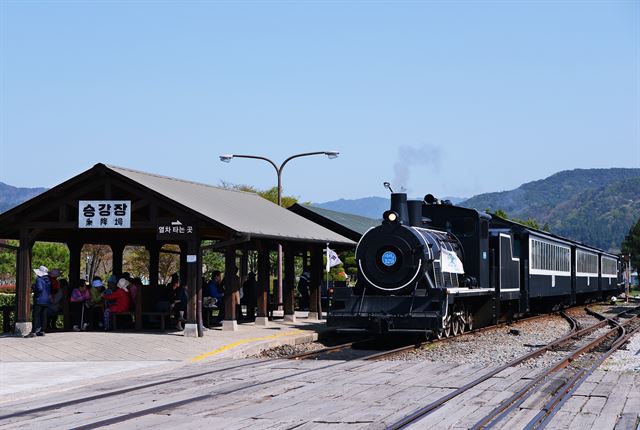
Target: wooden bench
162, 316
115, 315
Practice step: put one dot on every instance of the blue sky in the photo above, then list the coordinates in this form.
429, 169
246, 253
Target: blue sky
452, 98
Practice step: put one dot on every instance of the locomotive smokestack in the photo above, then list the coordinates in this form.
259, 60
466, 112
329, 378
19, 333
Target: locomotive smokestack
414, 208
399, 206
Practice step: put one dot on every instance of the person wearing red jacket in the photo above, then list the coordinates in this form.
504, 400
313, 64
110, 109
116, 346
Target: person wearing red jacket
120, 301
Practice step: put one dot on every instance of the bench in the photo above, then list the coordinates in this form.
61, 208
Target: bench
162, 316
115, 315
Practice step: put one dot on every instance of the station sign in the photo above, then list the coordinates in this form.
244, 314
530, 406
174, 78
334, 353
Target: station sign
104, 213
175, 229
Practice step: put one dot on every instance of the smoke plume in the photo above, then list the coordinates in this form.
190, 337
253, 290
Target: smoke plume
410, 157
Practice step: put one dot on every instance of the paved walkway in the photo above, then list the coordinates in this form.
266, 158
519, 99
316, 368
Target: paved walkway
68, 359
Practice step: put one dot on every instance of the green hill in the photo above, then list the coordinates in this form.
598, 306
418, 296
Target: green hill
594, 206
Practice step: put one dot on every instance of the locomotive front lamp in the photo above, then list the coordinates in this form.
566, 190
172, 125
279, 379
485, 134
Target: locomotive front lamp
390, 216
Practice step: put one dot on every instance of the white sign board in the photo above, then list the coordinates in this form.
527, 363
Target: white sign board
104, 214
450, 262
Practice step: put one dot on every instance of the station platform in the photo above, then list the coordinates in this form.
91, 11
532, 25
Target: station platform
65, 360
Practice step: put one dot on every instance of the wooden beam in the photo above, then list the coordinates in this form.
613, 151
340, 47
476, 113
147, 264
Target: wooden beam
316, 279
264, 272
231, 282
23, 287
74, 276
117, 249
226, 243
289, 281
9, 247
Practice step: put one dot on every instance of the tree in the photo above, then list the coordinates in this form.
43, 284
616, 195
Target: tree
135, 261
530, 222
169, 263
8, 263
631, 244
270, 194
96, 260
52, 255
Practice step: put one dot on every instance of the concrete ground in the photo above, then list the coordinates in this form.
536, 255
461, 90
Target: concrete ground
66, 360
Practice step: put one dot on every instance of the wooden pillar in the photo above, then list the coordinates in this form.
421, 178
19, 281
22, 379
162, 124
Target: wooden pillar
74, 277
23, 284
244, 271
289, 283
315, 309
154, 263
231, 282
183, 264
244, 264
116, 251
264, 273
194, 284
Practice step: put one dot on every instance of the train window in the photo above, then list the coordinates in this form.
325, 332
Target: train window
549, 257
485, 229
609, 267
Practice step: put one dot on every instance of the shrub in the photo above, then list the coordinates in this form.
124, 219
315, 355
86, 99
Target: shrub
7, 300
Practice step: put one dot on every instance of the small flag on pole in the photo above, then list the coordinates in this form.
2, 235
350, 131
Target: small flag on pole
332, 259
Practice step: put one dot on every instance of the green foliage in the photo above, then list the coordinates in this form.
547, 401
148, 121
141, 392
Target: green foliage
7, 300
8, 263
631, 244
528, 222
340, 272
270, 194
213, 261
51, 255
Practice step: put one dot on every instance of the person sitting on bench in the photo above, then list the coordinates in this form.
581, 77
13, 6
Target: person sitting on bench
79, 297
120, 302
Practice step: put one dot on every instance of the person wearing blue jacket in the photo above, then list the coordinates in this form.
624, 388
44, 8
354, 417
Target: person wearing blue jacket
41, 301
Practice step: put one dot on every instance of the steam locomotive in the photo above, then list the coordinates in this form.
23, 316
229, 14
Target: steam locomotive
435, 268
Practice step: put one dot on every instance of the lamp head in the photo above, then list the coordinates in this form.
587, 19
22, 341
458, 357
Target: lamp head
332, 154
390, 216
226, 158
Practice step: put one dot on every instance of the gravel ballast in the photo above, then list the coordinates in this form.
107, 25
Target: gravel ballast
627, 359
492, 347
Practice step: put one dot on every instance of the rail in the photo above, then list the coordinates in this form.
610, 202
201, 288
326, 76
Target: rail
499, 411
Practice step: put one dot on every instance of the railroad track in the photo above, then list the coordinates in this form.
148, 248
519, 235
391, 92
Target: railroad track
369, 348
216, 391
565, 391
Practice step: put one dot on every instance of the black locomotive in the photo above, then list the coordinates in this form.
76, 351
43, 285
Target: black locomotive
433, 267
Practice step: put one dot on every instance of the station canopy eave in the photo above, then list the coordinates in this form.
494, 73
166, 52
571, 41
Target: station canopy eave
220, 213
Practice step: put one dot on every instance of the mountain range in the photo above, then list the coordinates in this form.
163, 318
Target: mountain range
594, 206
13, 196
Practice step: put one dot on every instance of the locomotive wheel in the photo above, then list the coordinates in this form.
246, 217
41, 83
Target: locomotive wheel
456, 325
448, 332
469, 321
462, 323
438, 334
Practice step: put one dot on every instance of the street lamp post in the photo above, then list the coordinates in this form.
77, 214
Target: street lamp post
227, 159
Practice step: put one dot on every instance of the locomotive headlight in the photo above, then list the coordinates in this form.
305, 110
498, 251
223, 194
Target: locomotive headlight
390, 216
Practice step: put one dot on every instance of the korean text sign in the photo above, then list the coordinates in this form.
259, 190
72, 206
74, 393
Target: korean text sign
104, 214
